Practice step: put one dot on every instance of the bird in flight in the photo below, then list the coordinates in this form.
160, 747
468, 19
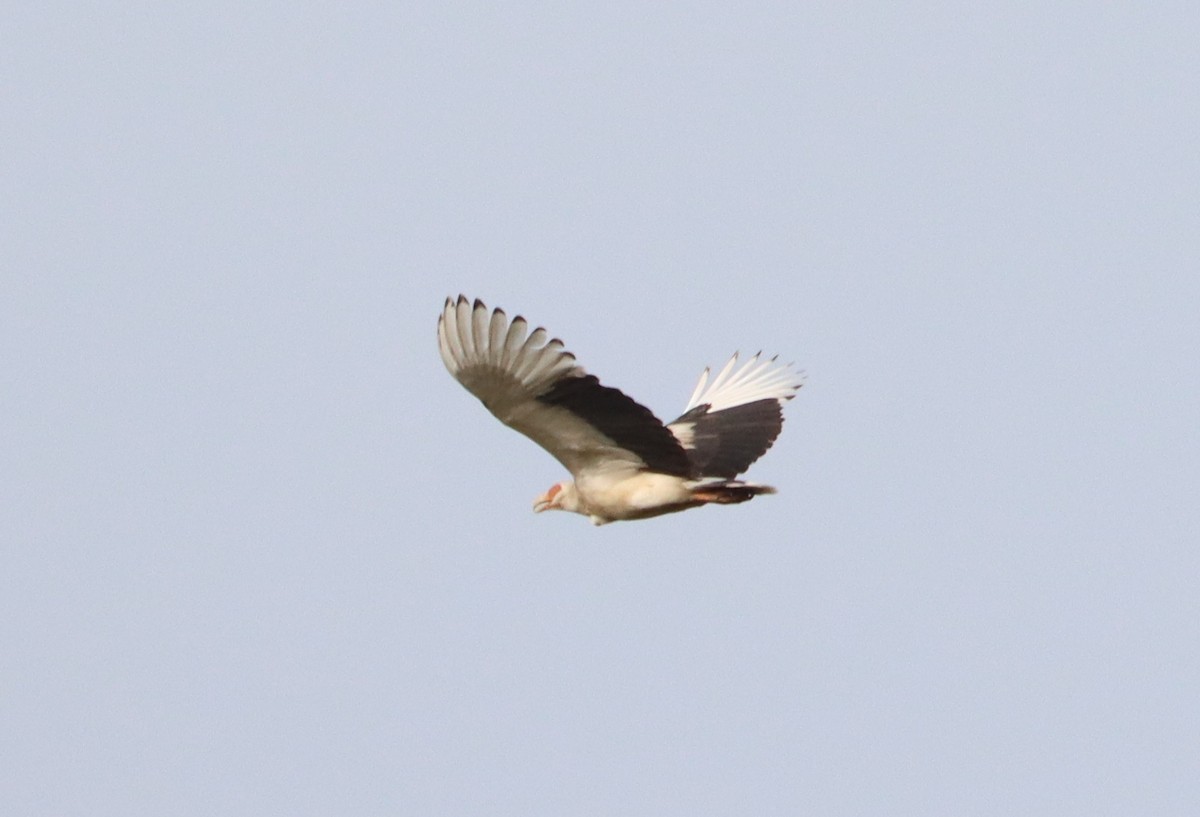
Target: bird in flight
626, 463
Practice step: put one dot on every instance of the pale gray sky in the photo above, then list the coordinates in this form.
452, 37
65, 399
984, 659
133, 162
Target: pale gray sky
262, 555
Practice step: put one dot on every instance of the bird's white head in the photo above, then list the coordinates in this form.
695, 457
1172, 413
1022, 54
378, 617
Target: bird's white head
562, 496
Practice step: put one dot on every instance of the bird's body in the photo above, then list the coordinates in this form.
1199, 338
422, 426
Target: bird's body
626, 463
631, 494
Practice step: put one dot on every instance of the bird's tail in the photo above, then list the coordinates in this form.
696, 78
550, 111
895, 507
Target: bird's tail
728, 492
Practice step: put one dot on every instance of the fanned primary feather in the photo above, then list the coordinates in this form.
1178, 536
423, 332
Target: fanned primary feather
627, 464
733, 420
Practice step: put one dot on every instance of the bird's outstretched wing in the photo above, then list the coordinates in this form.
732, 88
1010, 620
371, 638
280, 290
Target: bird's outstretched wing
733, 419
533, 385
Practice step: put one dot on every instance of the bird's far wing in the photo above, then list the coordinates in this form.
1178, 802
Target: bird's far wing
535, 386
733, 419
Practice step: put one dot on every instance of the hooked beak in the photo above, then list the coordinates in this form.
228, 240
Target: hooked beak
548, 500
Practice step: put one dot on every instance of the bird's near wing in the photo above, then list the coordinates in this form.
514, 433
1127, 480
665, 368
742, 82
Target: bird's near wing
535, 386
731, 421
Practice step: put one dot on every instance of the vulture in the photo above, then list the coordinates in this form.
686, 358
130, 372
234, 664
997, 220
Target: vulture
625, 462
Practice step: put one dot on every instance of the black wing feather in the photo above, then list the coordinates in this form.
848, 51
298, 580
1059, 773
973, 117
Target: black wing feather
725, 443
622, 419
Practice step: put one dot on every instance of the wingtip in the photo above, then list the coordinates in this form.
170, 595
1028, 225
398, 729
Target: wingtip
758, 377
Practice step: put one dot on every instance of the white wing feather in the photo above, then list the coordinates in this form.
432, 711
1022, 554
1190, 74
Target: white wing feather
507, 371
757, 379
